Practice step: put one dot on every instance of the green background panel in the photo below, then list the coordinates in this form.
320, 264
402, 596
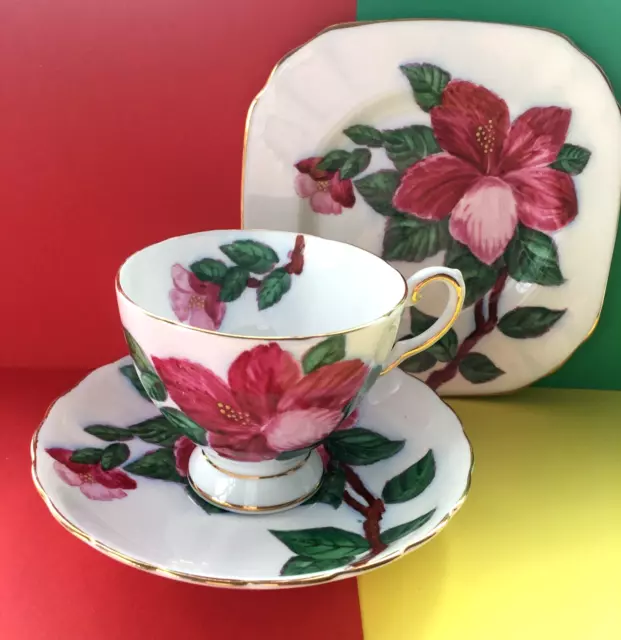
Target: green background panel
594, 25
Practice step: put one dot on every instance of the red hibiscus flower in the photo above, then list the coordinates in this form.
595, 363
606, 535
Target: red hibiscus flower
196, 301
326, 191
94, 482
492, 173
268, 405
182, 450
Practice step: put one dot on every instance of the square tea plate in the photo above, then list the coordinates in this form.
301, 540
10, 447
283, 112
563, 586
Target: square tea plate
491, 148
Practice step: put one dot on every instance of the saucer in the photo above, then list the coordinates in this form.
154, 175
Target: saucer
421, 142
113, 472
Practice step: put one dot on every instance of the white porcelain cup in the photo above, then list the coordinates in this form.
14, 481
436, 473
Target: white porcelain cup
257, 345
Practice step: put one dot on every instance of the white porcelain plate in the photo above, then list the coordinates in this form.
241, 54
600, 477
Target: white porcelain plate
490, 148
114, 473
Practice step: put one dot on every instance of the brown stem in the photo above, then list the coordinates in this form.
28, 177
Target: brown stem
481, 329
294, 266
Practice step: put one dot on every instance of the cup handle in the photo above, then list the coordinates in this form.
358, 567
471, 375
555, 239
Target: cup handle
454, 281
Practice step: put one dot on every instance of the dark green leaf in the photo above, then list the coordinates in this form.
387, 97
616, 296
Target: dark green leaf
571, 159
114, 455
328, 351
138, 355
395, 533
234, 284
445, 349
418, 363
411, 482
88, 455
364, 135
410, 239
532, 257
323, 543
153, 386
273, 288
299, 565
289, 455
254, 256
427, 82
407, 146
129, 371
377, 190
207, 507
478, 368
357, 162
158, 464
360, 446
209, 270
478, 277
156, 431
333, 160
185, 425
529, 322
109, 434
332, 488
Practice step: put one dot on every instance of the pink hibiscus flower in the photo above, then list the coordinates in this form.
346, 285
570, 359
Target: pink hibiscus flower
94, 482
268, 405
491, 173
194, 301
327, 192
182, 450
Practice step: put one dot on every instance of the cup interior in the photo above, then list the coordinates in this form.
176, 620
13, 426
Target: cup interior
261, 283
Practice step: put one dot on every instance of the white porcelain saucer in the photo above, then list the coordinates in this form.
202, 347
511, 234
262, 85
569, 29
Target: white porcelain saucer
113, 472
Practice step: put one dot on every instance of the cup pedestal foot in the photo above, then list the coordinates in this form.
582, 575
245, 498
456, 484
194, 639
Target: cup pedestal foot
254, 487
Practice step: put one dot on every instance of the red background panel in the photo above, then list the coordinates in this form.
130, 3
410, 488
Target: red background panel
121, 124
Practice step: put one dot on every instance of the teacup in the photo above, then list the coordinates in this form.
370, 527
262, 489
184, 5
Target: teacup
257, 345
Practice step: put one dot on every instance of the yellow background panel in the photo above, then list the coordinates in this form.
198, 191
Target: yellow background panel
535, 551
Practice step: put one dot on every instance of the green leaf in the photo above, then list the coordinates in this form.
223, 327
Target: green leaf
157, 431
289, 455
395, 533
323, 543
209, 270
377, 190
109, 434
299, 565
529, 322
418, 363
360, 446
207, 507
411, 482
129, 371
234, 284
88, 455
185, 425
138, 355
427, 82
332, 488
410, 239
478, 277
328, 351
114, 455
357, 162
364, 135
153, 386
532, 256
273, 288
254, 256
407, 146
478, 368
333, 160
444, 349
571, 159
158, 464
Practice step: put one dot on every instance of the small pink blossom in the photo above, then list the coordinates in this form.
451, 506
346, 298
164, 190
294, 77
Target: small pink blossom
94, 482
325, 190
194, 301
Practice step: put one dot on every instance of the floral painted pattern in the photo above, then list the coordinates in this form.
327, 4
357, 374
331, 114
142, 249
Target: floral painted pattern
200, 294
326, 190
483, 188
106, 473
